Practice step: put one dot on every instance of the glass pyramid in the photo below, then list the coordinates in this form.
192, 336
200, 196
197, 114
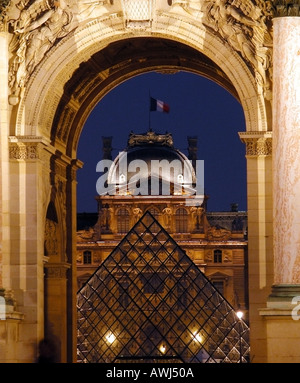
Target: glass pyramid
148, 302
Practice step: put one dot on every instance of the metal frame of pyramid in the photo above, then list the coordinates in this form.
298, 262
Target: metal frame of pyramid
148, 301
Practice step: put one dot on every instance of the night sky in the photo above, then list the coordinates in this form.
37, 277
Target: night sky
198, 107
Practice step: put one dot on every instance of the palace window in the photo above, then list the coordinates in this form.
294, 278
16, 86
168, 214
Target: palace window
181, 220
217, 256
87, 257
123, 220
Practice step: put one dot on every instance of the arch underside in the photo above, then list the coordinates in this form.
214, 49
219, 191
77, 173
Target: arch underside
116, 63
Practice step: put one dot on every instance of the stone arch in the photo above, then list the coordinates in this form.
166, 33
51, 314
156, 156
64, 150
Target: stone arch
47, 96
52, 110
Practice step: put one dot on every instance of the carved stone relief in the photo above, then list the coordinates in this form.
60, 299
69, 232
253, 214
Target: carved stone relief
137, 214
259, 144
218, 233
245, 26
197, 217
105, 215
23, 151
51, 242
36, 27
167, 217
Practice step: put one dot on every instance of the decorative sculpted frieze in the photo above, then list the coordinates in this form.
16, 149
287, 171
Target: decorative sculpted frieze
259, 144
36, 26
245, 25
24, 151
150, 138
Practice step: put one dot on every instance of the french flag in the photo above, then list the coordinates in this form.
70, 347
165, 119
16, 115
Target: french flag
158, 106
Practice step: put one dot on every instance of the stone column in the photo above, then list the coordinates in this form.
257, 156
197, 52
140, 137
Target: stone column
28, 188
71, 257
260, 255
286, 130
283, 331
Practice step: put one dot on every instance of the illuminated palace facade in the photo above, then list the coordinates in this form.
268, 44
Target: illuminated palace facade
216, 242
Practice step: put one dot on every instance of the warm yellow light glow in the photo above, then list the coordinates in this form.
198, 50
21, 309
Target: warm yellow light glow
162, 348
197, 337
110, 338
240, 314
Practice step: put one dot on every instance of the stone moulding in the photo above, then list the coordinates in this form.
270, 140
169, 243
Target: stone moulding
26, 147
257, 143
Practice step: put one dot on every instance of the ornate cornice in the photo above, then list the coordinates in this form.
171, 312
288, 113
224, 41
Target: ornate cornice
257, 143
150, 138
284, 8
23, 151
25, 147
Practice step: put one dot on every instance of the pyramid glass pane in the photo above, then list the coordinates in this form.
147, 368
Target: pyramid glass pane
148, 301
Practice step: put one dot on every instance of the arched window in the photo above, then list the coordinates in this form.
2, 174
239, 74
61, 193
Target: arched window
87, 257
181, 220
123, 220
217, 256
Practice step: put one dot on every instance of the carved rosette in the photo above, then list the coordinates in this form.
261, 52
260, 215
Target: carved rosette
257, 143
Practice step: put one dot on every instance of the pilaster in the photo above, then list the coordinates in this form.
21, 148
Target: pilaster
56, 307
260, 231
71, 253
28, 190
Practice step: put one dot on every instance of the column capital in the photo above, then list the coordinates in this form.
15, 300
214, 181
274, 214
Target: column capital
57, 270
283, 8
257, 143
26, 147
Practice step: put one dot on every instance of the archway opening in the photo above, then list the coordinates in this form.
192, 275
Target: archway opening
164, 70
198, 107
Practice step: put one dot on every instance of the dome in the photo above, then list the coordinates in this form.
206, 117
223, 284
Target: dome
150, 165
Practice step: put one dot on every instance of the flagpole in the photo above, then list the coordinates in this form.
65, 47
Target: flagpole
149, 110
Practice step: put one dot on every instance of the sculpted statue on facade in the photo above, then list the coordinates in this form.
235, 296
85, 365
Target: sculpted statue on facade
50, 244
243, 25
167, 217
105, 217
137, 214
197, 216
37, 26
